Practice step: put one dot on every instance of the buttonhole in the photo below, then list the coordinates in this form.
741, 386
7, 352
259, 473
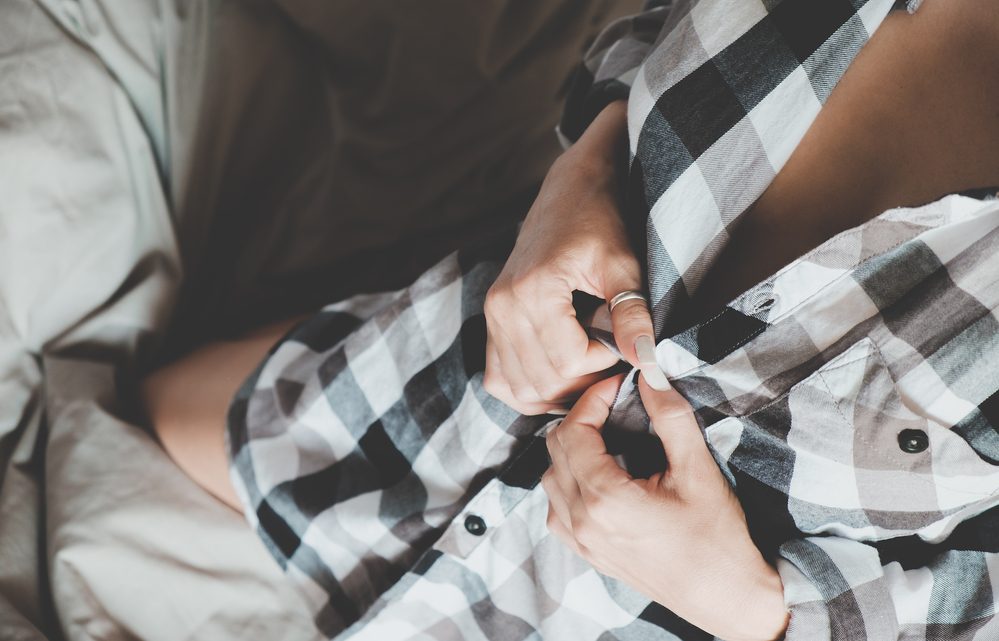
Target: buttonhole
767, 304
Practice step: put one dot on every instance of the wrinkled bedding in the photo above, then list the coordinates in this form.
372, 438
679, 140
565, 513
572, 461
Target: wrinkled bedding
177, 170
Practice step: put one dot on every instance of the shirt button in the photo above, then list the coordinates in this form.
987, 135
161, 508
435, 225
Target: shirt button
475, 525
913, 441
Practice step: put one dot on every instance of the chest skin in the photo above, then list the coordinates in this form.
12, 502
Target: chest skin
914, 118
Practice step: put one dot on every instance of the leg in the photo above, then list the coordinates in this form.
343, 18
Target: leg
186, 403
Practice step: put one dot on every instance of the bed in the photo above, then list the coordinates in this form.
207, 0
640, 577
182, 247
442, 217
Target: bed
175, 171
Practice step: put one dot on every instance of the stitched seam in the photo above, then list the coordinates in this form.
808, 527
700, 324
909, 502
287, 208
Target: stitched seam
739, 343
794, 264
883, 363
794, 309
769, 324
819, 371
832, 397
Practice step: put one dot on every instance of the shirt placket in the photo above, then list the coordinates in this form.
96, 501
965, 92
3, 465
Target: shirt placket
487, 511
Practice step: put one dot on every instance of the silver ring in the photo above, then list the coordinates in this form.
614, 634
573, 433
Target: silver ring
628, 294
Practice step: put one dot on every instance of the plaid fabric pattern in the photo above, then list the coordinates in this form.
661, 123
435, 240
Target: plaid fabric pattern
849, 398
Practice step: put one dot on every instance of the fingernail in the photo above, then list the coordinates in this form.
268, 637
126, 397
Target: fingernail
558, 412
654, 376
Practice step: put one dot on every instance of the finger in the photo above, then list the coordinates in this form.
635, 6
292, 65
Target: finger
562, 532
579, 435
513, 372
495, 384
563, 339
632, 326
559, 519
548, 383
593, 407
630, 319
674, 423
558, 507
559, 471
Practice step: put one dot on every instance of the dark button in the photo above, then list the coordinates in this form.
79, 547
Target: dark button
475, 525
913, 441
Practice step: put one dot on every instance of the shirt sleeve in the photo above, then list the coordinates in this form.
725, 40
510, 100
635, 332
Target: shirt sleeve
610, 65
836, 588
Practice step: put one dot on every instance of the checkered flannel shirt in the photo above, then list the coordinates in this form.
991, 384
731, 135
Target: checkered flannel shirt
851, 398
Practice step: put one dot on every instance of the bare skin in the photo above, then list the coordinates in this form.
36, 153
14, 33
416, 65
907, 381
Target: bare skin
915, 117
187, 401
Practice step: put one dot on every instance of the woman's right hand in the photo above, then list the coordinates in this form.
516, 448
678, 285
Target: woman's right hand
538, 355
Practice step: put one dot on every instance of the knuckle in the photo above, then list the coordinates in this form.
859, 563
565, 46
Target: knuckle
524, 393
559, 434
522, 286
491, 383
492, 365
622, 262
492, 376
584, 531
566, 368
590, 246
492, 302
625, 262
549, 390
598, 507
531, 410
546, 481
550, 442
525, 409
602, 508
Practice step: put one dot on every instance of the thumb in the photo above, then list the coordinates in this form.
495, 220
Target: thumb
631, 323
674, 423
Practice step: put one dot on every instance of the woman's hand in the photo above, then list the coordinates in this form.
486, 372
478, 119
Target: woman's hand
680, 537
538, 356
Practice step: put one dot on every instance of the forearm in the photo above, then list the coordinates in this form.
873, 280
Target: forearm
602, 150
762, 613
736, 596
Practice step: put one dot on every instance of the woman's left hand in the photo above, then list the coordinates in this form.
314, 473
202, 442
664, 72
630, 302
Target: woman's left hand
679, 537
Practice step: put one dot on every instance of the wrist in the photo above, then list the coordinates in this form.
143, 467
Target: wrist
590, 172
742, 603
767, 615
735, 602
